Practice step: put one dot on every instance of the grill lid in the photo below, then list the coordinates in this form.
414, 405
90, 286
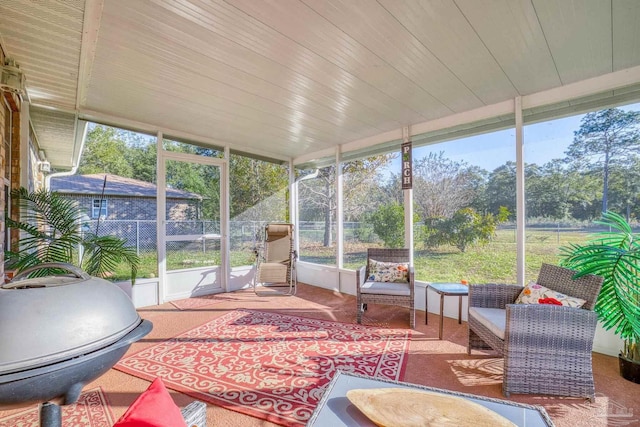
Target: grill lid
49, 319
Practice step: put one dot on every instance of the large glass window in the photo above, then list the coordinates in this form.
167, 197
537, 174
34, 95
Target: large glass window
258, 195
577, 167
373, 213
465, 208
99, 208
317, 215
129, 160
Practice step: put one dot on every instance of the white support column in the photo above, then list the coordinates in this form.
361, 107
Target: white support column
161, 219
339, 212
225, 224
520, 195
408, 207
293, 206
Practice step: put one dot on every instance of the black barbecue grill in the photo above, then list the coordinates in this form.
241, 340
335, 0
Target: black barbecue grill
58, 333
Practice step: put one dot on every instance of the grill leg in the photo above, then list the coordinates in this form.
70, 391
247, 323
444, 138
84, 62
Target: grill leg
50, 415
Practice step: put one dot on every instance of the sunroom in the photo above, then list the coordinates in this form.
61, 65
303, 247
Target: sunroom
320, 96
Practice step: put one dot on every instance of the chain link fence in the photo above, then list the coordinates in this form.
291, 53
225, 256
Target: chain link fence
142, 234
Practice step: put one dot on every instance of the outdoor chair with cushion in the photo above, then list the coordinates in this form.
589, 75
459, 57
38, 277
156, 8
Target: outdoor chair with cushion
276, 261
546, 346
387, 278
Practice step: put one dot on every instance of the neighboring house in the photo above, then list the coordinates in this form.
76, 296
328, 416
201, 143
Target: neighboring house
125, 198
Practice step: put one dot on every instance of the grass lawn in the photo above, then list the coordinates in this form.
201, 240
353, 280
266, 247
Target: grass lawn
492, 263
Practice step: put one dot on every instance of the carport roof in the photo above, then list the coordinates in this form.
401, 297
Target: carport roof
92, 184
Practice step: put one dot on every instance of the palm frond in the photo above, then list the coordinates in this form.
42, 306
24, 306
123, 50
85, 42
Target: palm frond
50, 232
102, 254
614, 255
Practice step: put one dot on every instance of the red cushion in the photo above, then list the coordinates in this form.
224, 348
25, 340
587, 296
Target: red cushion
153, 408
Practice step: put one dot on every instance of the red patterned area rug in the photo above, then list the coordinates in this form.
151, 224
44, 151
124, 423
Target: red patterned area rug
91, 410
202, 301
269, 365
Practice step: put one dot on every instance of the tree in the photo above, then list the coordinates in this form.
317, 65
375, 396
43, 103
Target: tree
624, 187
604, 138
105, 152
388, 224
443, 186
553, 190
362, 189
317, 198
142, 157
466, 227
254, 184
501, 188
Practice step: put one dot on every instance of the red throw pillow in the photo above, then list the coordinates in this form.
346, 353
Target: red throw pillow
549, 300
153, 408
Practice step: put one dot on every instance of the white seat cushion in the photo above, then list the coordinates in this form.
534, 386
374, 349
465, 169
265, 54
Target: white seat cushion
495, 319
386, 288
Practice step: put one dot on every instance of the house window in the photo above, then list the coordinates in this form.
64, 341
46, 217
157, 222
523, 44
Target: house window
99, 208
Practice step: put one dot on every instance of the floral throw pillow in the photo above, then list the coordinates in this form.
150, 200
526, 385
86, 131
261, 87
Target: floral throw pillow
380, 271
534, 293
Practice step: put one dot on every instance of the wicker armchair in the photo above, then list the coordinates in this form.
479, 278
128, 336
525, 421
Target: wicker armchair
546, 348
399, 294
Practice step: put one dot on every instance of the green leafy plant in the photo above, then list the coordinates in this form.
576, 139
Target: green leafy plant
51, 231
465, 228
614, 255
388, 224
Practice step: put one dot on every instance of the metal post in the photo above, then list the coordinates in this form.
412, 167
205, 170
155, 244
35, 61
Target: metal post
50, 415
520, 196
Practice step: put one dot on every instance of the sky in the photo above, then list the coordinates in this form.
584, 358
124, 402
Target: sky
543, 142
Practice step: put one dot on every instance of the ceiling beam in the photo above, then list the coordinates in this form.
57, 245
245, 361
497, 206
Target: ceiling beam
90, 29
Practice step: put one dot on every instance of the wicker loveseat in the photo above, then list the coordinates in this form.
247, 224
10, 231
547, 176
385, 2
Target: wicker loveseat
546, 348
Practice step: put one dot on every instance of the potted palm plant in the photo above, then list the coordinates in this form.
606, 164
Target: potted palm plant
614, 255
51, 231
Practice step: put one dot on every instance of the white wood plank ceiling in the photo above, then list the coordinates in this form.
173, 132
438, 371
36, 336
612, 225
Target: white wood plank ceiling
289, 77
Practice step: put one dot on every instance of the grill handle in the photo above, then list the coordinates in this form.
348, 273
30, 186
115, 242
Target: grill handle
75, 271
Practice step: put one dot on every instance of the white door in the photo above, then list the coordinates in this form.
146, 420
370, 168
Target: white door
192, 256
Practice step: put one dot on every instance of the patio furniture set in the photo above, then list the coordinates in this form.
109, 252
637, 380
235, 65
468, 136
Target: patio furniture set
544, 330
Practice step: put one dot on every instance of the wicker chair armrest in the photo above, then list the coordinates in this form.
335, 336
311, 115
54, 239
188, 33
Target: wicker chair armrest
412, 282
195, 414
361, 276
492, 295
567, 326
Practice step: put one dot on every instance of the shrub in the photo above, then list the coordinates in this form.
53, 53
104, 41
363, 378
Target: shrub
466, 227
388, 224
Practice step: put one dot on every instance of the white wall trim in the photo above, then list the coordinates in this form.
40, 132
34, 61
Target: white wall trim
316, 155
605, 82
